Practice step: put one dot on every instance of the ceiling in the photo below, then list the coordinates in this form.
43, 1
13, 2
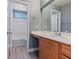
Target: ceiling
58, 3
61, 3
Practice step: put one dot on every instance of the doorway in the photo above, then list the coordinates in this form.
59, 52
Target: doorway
55, 20
18, 25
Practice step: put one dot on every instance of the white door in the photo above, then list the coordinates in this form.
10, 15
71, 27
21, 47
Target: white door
54, 22
18, 22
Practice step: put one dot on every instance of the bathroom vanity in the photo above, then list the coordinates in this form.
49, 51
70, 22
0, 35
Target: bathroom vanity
52, 46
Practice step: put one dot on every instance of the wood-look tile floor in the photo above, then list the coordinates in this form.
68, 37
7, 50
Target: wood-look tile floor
21, 53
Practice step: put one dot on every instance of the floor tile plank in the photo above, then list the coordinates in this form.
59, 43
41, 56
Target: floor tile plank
21, 53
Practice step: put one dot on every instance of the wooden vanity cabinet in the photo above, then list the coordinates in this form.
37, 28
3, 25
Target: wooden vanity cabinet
48, 49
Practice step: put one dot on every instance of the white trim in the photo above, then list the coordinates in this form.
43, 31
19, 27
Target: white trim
22, 2
28, 30
59, 28
33, 49
60, 22
55, 10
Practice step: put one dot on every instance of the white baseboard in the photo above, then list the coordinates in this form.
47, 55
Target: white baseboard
33, 49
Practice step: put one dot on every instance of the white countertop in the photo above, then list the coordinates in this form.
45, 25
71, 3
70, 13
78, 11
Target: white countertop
66, 39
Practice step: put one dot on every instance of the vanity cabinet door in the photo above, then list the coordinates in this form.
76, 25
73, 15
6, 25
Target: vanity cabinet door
42, 49
52, 50
48, 49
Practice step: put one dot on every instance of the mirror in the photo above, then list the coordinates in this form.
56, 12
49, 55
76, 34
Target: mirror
56, 17
51, 20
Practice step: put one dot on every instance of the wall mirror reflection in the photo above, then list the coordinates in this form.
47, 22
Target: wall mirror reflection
56, 17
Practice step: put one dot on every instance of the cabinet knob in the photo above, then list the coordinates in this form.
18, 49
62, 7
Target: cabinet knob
9, 32
49, 47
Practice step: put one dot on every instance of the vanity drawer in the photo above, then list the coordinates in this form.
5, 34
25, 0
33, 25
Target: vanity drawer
66, 50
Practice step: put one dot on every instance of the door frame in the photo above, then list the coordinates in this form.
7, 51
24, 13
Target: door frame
58, 27
25, 3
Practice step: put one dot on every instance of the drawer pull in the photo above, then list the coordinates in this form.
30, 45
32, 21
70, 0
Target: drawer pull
49, 47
